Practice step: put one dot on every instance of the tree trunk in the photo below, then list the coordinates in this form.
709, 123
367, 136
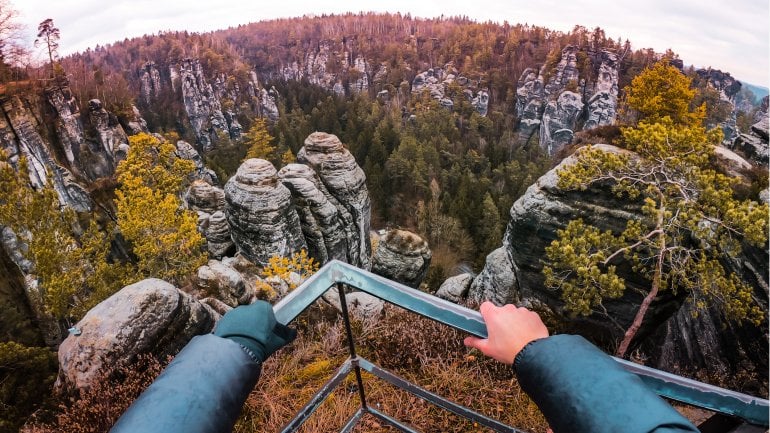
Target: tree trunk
645, 305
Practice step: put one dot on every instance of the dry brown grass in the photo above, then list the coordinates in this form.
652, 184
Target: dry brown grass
420, 350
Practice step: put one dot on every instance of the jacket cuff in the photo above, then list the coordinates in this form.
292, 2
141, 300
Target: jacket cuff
520, 355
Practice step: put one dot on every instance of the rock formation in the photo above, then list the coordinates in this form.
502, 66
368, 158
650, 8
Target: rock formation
217, 233
497, 281
436, 81
346, 184
67, 123
111, 135
202, 106
323, 224
262, 219
149, 78
728, 87
559, 120
602, 105
754, 143
224, 283
402, 256
455, 288
513, 273
554, 100
202, 196
149, 316
185, 150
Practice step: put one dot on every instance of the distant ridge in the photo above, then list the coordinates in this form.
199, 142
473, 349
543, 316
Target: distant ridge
758, 91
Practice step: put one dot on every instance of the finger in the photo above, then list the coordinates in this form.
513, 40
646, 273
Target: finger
476, 343
486, 308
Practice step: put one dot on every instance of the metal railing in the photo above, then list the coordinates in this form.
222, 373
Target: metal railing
732, 408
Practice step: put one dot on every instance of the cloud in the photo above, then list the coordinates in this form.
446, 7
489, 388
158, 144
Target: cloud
729, 36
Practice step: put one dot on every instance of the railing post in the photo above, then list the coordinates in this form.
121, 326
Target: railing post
351, 344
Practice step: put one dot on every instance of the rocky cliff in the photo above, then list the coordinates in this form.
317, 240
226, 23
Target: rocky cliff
513, 273
555, 100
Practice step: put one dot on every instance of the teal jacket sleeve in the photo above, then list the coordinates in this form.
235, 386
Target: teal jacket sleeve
201, 391
580, 389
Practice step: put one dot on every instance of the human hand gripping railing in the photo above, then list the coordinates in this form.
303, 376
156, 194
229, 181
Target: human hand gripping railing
751, 409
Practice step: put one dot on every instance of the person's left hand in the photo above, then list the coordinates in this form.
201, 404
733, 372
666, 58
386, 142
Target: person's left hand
254, 327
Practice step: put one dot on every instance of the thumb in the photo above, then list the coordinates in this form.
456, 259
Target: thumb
476, 343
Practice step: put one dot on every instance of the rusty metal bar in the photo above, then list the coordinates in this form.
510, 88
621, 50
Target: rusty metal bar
318, 398
353, 421
392, 421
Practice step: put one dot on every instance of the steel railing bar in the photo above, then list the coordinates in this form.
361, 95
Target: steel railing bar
750, 408
747, 407
435, 399
351, 344
319, 397
392, 421
353, 421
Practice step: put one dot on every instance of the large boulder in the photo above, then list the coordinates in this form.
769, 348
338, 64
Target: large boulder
455, 288
151, 316
323, 223
202, 196
497, 281
263, 221
675, 338
217, 233
514, 273
402, 256
220, 281
185, 150
346, 184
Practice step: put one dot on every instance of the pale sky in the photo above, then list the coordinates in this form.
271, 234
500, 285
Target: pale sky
729, 35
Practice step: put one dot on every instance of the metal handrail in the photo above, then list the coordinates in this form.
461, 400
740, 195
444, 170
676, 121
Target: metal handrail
749, 408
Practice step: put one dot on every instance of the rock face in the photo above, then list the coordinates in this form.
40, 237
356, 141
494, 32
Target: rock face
149, 316
217, 233
455, 288
602, 105
436, 81
513, 273
262, 218
559, 120
323, 223
67, 123
497, 281
345, 183
111, 135
402, 256
529, 103
19, 137
185, 150
202, 196
754, 144
728, 87
223, 283
149, 77
202, 106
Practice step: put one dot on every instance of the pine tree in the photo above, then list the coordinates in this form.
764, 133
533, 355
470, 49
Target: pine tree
163, 236
690, 221
259, 141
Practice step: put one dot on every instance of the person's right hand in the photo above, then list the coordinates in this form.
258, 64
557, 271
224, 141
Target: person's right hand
509, 329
